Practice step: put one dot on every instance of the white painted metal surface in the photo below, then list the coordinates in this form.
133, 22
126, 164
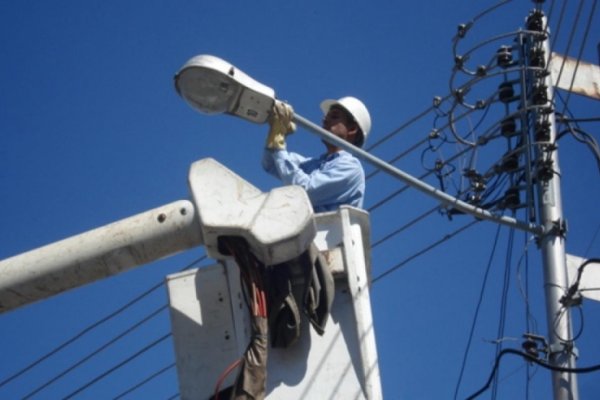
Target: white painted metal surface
212, 85
582, 78
342, 364
277, 225
97, 254
201, 307
589, 284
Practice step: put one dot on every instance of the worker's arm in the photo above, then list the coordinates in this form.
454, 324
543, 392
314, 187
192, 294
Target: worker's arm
280, 125
268, 160
340, 181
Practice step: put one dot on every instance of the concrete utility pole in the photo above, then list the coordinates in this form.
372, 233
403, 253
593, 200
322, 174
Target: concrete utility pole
542, 127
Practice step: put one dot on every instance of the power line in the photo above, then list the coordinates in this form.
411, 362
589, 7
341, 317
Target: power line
399, 156
530, 320
405, 226
143, 382
578, 134
556, 33
592, 240
585, 37
476, 314
503, 303
473, 146
405, 187
79, 335
117, 366
425, 250
529, 358
483, 139
401, 127
586, 139
463, 29
90, 328
591, 119
95, 352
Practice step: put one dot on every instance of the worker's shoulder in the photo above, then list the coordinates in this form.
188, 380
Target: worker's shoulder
346, 161
346, 157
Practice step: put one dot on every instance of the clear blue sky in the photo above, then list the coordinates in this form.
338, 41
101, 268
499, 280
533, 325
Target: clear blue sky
92, 131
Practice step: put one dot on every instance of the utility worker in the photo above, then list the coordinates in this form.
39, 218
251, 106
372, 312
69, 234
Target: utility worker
336, 177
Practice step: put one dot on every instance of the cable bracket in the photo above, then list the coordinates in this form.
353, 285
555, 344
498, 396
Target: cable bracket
563, 347
560, 228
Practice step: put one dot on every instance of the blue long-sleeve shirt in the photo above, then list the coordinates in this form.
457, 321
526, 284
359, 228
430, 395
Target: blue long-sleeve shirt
329, 180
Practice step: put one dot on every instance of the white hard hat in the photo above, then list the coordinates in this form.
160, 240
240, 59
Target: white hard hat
356, 108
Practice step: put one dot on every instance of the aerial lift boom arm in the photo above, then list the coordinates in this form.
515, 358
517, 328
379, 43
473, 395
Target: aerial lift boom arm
277, 225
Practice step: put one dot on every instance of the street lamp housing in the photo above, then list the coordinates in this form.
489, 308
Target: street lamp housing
214, 86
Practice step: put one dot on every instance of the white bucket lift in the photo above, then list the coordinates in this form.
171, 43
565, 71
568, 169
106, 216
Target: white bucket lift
208, 313
210, 325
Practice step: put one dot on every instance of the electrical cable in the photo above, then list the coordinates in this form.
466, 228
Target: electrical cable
577, 133
224, 376
253, 364
392, 195
503, 303
564, 311
402, 127
398, 130
579, 332
476, 315
94, 353
592, 119
489, 10
532, 359
530, 321
556, 35
403, 188
79, 335
484, 139
397, 157
90, 328
173, 397
587, 140
489, 67
583, 41
437, 207
464, 28
452, 121
144, 381
549, 14
117, 366
404, 227
483, 70
592, 240
572, 291
386, 238
423, 251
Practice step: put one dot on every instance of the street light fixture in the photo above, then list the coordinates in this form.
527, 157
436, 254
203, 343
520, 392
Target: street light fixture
213, 86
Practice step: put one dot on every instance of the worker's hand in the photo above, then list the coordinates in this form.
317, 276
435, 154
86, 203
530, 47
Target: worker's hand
281, 125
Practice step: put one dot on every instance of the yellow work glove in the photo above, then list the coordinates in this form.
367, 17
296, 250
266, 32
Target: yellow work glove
281, 125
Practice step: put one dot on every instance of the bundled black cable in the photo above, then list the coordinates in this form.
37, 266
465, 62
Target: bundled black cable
276, 295
252, 376
530, 358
